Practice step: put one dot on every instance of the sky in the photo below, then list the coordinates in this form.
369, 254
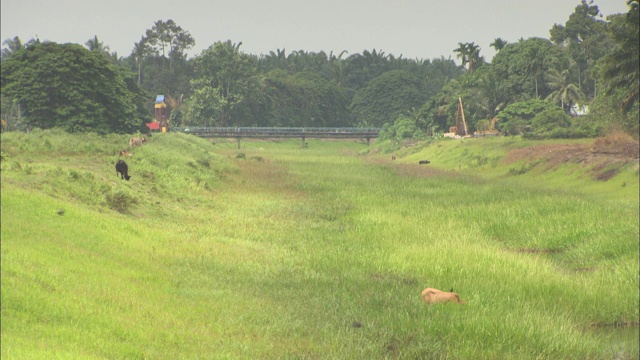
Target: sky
415, 29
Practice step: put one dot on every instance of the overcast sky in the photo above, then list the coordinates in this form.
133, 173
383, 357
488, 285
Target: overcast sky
416, 29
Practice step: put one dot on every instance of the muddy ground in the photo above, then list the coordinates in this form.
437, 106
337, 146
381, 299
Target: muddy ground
605, 156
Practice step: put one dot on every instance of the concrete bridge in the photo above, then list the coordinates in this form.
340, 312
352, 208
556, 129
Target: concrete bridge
282, 132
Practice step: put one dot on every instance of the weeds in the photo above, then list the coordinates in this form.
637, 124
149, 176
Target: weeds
203, 254
120, 199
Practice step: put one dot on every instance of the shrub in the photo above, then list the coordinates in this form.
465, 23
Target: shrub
516, 117
617, 142
403, 128
549, 124
120, 199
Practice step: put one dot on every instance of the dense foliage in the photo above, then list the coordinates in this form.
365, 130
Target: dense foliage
70, 87
588, 65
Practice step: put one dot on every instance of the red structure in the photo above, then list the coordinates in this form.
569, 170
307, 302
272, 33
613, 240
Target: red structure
160, 115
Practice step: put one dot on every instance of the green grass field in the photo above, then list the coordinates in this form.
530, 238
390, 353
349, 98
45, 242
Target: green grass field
280, 251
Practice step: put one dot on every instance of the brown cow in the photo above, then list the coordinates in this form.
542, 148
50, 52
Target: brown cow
125, 153
137, 141
434, 296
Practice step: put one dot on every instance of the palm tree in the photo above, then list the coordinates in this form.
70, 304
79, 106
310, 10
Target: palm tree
492, 93
97, 45
535, 66
338, 68
564, 91
469, 54
12, 46
140, 50
621, 68
498, 44
463, 53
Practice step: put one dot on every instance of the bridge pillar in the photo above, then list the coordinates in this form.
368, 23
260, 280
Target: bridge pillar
239, 142
303, 138
368, 139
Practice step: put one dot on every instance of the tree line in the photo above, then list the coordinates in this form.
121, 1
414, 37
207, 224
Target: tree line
531, 87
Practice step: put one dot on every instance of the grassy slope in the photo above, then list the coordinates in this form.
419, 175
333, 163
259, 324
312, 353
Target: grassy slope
279, 253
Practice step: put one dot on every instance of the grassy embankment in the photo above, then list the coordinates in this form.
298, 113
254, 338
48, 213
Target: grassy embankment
279, 251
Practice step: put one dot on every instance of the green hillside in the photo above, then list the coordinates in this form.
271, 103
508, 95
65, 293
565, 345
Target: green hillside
282, 251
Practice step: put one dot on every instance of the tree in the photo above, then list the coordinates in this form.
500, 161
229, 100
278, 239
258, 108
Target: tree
440, 110
70, 87
12, 46
564, 91
170, 39
221, 83
522, 64
535, 66
99, 47
585, 38
387, 97
140, 50
516, 118
362, 68
326, 103
470, 54
491, 92
498, 44
550, 123
96, 45
621, 68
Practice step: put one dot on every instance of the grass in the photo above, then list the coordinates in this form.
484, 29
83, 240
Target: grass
315, 252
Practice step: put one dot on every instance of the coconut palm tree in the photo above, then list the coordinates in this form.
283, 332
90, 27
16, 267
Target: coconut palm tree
12, 46
97, 45
140, 50
535, 66
564, 91
469, 53
492, 93
498, 44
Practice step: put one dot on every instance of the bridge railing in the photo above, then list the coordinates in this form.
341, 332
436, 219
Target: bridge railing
275, 130
278, 131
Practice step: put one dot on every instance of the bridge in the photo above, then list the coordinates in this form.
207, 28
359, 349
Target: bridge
282, 132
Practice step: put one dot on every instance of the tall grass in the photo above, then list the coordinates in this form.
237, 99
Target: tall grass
292, 252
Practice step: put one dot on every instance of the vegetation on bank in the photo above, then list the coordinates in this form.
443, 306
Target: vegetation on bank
587, 65
277, 250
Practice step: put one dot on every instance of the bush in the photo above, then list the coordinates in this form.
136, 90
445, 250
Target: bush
403, 128
120, 199
550, 124
617, 142
516, 118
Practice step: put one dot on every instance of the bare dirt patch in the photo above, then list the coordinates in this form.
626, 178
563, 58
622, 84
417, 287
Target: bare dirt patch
605, 156
413, 170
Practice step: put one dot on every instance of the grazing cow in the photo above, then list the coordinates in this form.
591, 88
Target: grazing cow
423, 162
125, 153
122, 169
434, 296
137, 141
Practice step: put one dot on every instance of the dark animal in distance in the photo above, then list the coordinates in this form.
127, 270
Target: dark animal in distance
423, 162
122, 169
137, 141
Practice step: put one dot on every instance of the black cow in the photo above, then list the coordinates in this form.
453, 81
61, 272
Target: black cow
423, 162
122, 169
